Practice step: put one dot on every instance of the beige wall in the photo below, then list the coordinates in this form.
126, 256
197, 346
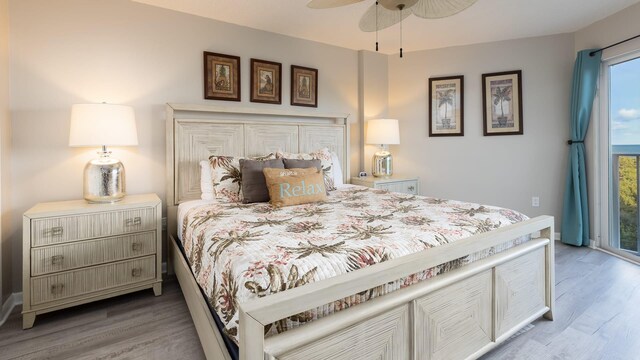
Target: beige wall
76, 51
498, 170
373, 96
610, 30
5, 143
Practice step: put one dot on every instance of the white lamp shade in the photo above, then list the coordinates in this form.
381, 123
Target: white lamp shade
102, 124
383, 132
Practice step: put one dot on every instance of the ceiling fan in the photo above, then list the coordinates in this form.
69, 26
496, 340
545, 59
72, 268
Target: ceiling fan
385, 13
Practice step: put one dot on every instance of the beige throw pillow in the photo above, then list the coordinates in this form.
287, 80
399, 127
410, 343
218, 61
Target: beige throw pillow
295, 186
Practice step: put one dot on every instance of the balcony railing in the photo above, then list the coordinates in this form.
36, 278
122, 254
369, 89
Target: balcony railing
625, 215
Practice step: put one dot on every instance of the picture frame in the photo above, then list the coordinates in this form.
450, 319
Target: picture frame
221, 77
266, 80
446, 106
304, 86
502, 103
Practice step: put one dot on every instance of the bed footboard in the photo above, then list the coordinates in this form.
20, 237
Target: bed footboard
461, 314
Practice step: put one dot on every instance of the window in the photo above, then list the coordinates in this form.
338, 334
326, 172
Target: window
622, 162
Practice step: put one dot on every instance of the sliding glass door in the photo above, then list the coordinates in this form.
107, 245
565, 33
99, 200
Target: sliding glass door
622, 149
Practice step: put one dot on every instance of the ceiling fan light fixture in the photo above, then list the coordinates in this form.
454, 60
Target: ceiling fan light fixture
436, 9
377, 18
394, 4
386, 18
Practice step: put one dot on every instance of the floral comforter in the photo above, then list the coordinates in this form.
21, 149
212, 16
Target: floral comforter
239, 252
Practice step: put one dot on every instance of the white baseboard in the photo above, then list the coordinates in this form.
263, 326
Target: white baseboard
557, 236
14, 300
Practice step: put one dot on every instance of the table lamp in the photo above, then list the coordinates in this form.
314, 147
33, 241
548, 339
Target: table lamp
383, 132
103, 125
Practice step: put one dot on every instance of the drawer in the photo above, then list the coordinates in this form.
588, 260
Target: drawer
404, 187
520, 290
87, 280
54, 230
454, 322
386, 336
50, 259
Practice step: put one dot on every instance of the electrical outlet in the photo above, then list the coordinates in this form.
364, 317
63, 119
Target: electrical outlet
164, 223
535, 201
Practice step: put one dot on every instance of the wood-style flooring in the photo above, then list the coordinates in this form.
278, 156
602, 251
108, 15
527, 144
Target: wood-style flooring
133, 326
597, 316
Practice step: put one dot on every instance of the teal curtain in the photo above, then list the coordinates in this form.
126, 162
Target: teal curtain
575, 213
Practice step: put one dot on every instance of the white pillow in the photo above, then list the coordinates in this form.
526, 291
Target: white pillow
206, 185
338, 178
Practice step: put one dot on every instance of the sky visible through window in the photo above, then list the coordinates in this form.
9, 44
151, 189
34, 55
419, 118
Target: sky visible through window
625, 103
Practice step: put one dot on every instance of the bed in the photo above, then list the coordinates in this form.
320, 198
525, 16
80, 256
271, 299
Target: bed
402, 304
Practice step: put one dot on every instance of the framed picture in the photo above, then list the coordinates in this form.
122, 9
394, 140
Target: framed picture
266, 77
304, 86
502, 103
221, 77
446, 106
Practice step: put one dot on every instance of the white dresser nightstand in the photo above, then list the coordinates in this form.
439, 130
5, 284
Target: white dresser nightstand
394, 183
75, 252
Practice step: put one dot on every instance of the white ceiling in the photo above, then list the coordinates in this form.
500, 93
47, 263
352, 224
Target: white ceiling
485, 21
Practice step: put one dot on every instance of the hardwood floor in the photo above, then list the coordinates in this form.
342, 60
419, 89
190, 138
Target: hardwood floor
597, 317
597, 314
134, 326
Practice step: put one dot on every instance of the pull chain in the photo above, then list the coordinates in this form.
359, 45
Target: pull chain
376, 26
400, 7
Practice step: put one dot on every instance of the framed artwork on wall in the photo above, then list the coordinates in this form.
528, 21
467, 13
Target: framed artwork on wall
446, 106
221, 77
266, 77
304, 86
502, 103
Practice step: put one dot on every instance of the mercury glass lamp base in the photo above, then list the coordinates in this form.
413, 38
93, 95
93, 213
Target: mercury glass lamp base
382, 164
104, 180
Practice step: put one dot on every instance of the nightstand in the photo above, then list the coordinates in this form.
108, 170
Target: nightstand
394, 183
75, 252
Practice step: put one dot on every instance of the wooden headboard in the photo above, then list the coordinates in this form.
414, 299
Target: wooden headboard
195, 132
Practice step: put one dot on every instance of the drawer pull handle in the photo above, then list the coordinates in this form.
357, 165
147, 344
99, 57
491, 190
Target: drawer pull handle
56, 289
133, 222
136, 246
411, 188
136, 272
57, 259
55, 231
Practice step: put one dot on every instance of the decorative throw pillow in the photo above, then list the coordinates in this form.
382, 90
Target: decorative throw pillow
295, 186
226, 176
338, 177
324, 155
303, 164
254, 185
206, 185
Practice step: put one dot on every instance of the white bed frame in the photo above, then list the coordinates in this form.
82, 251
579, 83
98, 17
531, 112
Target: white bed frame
461, 314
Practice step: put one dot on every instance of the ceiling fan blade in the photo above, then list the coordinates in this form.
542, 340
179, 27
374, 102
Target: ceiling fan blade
435, 9
386, 18
326, 4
